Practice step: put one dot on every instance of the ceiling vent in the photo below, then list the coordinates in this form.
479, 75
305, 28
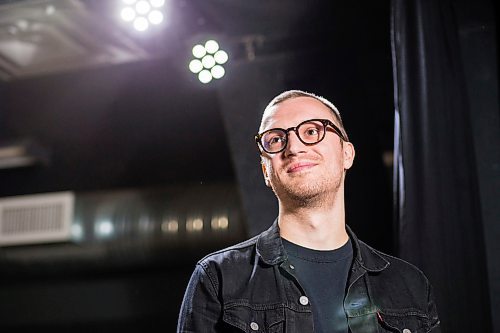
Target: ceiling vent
34, 219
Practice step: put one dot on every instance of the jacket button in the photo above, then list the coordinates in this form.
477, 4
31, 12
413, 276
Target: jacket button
292, 267
254, 326
406, 330
304, 301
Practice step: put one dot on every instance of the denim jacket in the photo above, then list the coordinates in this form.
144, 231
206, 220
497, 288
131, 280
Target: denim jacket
251, 287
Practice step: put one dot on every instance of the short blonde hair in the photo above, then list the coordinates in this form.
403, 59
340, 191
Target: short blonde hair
290, 94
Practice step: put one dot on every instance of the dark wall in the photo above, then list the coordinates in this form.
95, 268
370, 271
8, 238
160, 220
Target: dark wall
122, 126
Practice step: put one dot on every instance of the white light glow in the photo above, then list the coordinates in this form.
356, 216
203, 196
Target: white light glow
128, 14
77, 231
217, 71
195, 66
50, 10
155, 17
104, 228
220, 222
143, 7
141, 24
194, 224
129, 2
208, 61
170, 226
221, 57
157, 3
204, 76
199, 51
211, 46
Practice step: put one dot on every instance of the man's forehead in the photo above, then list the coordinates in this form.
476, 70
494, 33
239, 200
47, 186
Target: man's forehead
294, 108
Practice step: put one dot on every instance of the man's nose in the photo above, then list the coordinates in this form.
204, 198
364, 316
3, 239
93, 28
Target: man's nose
294, 145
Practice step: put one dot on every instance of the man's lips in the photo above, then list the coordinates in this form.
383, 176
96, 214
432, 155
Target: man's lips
296, 167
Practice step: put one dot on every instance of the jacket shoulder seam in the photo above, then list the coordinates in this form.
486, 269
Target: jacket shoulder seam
245, 244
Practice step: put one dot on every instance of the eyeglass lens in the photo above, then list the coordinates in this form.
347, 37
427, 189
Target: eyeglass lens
309, 132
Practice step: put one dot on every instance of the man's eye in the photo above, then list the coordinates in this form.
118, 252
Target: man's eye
312, 131
275, 140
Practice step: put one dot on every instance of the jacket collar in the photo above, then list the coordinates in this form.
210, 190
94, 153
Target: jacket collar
271, 251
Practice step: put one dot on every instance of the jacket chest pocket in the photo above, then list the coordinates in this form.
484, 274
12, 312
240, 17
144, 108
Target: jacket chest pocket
404, 322
255, 318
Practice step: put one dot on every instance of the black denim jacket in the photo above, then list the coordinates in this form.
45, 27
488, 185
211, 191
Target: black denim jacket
251, 287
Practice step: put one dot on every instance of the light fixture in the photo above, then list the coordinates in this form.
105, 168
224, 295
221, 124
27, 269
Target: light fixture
220, 222
104, 229
194, 224
142, 14
22, 153
208, 61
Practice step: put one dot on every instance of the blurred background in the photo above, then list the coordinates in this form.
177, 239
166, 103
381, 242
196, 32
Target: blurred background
127, 151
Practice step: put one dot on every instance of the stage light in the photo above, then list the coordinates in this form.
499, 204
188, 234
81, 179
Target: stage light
143, 13
217, 71
142, 7
128, 14
211, 46
195, 66
155, 17
141, 24
221, 57
205, 76
157, 3
209, 61
199, 51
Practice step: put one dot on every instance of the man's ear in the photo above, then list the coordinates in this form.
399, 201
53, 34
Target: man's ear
264, 172
349, 154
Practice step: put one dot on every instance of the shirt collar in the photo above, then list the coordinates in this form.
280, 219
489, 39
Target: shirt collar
271, 251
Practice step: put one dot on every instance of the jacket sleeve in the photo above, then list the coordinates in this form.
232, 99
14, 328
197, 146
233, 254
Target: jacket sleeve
201, 310
432, 311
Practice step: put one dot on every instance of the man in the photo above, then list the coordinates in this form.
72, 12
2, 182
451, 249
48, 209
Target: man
308, 272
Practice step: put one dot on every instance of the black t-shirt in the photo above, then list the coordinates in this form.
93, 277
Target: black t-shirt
323, 275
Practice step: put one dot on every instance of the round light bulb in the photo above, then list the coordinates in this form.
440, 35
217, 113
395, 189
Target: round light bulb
211, 46
128, 14
199, 51
142, 7
157, 3
204, 76
208, 61
195, 66
217, 71
141, 24
221, 57
155, 17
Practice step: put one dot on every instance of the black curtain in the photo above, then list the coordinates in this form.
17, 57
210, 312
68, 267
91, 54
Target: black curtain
437, 214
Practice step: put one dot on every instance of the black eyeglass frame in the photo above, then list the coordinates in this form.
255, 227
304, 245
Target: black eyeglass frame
325, 122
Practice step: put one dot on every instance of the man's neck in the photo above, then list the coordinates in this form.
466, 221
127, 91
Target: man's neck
317, 227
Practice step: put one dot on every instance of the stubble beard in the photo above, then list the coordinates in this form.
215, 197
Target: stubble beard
311, 193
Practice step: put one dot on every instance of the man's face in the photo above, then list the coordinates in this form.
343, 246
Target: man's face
305, 172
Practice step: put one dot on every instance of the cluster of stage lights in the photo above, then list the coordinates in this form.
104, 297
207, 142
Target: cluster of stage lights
142, 13
208, 61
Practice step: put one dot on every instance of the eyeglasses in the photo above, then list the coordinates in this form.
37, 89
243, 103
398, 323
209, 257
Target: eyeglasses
309, 133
